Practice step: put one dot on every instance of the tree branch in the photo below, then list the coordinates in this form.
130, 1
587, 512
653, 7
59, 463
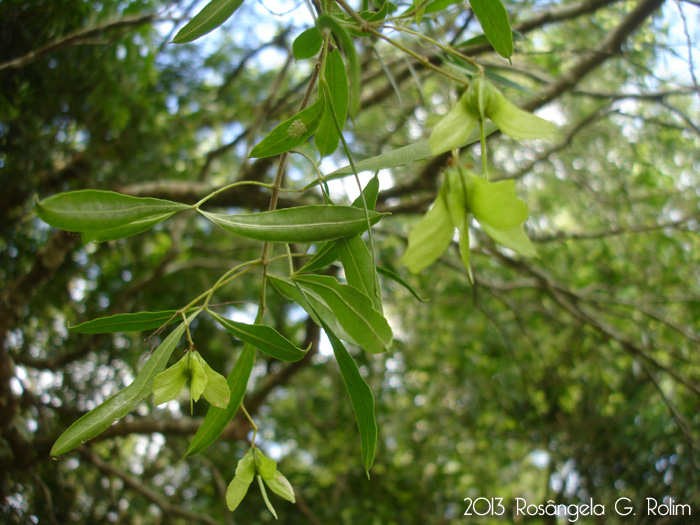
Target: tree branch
135, 485
81, 36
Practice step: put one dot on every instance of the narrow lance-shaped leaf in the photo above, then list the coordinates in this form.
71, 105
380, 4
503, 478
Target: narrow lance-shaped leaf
361, 398
398, 157
217, 418
360, 394
136, 322
302, 224
116, 407
359, 267
105, 215
212, 16
353, 309
327, 137
327, 22
291, 133
263, 337
493, 18
386, 272
314, 305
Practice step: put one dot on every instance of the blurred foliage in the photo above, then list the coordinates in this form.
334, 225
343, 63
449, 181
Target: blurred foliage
568, 377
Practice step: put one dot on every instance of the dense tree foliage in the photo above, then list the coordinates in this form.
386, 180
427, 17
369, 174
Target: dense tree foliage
563, 377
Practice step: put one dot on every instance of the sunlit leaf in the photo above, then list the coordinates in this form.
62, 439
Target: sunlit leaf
212, 16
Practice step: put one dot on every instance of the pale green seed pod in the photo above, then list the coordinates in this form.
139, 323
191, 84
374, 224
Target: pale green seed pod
514, 121
454, 129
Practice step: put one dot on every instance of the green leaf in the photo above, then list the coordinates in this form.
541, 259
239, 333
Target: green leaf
265, 498
212, 16
396, 278
370, 193
326, 255
122, 232
314, 305
217, 418
494, 203
291, 133
429, 237
136, 322
398, 157
480, 40
354, 311
359, 267
307, 44
440, 5
265, 466
105, 215
302, 224
280, 486
168, 384
513, 238
120, 404
327, 22
493, 18
327, 137
361, 399
216, 391
263, 337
